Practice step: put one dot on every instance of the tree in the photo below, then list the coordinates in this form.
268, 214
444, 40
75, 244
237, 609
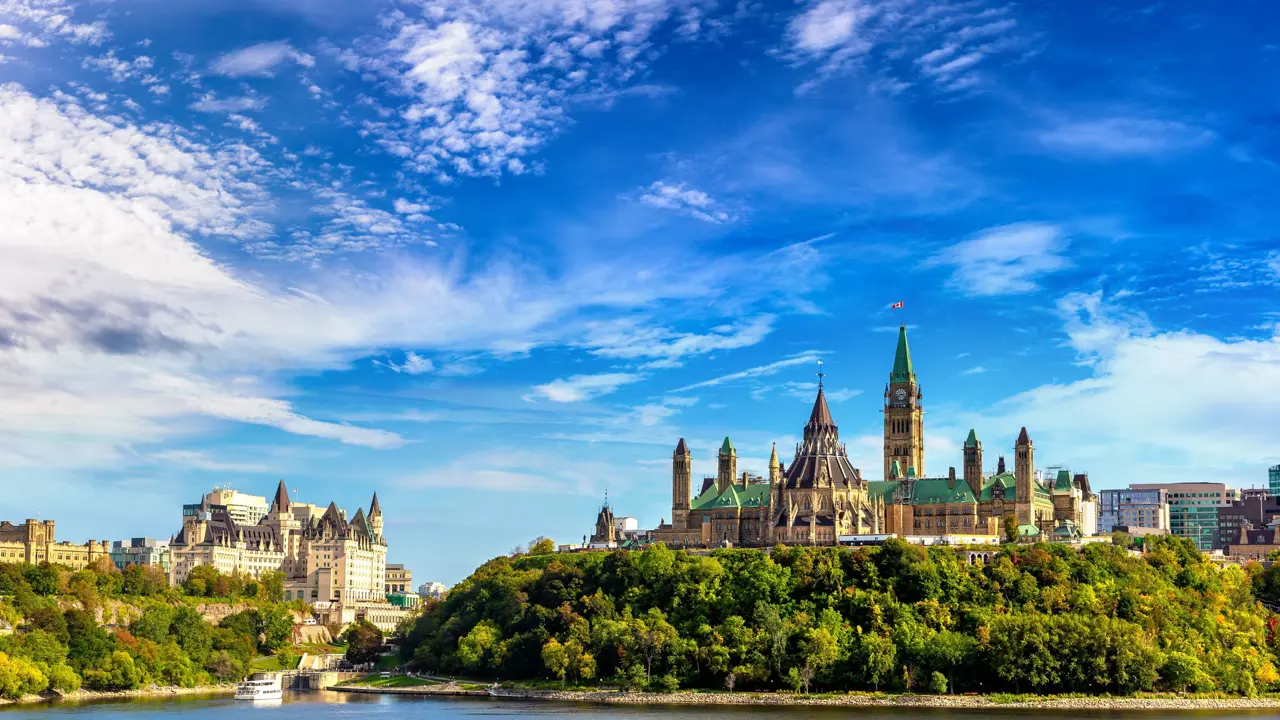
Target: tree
19, 677
276, 626
192, 634
476, 649
201, 580
364, 643
271, 583
1011, 528
818, 651
938, 683
653, 634
729, 681
541, 546
555, 658
116, 671
879, 656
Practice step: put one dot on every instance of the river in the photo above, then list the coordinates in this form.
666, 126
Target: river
340, 706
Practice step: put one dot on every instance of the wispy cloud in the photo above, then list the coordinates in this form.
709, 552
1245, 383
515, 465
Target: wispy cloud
1123, 136
949, 41
808, 358
414, 364
260, 60
204, 461
685, 201
975, 370
665, 347
1005, 260
583, 387
211, 103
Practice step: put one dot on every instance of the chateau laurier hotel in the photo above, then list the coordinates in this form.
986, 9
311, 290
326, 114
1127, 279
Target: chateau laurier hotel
820, 497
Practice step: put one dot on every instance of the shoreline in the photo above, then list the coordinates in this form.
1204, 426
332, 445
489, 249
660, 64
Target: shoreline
155, 691
958, 702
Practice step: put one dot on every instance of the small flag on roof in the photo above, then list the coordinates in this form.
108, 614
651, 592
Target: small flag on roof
896, 305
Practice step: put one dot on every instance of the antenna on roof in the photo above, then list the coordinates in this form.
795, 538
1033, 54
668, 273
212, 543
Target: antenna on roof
820, 373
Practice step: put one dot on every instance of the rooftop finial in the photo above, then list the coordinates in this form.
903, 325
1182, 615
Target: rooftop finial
820, 373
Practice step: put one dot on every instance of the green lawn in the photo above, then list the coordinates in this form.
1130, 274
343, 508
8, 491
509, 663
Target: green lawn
388, 662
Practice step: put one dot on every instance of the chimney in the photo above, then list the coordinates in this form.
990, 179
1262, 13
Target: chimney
951, 478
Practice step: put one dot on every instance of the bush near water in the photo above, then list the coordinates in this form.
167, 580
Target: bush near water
107, 630
1042, 619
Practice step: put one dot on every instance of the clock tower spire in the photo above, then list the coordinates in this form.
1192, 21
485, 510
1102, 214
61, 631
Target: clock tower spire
903, 415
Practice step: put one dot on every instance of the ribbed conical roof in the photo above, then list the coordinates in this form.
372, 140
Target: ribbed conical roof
821, 414
773, 457
902, 370
1023, 438
682, 448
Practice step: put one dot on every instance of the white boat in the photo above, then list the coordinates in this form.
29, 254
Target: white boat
260, 687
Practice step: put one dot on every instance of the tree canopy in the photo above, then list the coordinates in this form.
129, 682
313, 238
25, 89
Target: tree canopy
1036, 619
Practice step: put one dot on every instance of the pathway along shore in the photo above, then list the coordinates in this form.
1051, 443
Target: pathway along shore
973, 702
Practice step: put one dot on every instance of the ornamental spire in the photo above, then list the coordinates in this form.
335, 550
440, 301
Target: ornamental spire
902, 369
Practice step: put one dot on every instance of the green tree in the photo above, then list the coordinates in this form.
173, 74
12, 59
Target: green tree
1011, 528
476, 649
938, 683
653, 635
277, 627
879, 657
19, 677
271, 583
542, 546
556, 658
364, 643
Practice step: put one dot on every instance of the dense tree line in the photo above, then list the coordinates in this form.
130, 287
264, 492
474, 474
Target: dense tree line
1035, 619
109, 630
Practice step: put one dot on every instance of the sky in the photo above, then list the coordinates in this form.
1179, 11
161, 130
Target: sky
493, 258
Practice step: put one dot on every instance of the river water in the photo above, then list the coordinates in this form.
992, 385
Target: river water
341, 706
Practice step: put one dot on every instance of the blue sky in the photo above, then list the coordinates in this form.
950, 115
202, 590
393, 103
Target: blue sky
494, 258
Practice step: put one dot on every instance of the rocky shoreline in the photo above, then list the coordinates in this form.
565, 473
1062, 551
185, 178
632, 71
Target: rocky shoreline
155, 691
965, 702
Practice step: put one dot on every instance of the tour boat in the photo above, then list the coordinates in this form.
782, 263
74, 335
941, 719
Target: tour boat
259, 687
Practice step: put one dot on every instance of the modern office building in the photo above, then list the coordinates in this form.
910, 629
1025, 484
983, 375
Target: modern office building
1193, 509
1257, 509
1273, 479
434, 590
140, 551
245, 509
1128, 508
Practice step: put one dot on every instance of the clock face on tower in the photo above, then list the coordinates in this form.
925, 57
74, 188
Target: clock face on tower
900, 395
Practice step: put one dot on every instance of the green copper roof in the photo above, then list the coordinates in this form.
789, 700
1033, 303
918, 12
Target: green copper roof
902, 371
972, 440
911, 471
884, 489
752, 496
726, 448
1028, 531
895, 471
1063, 481
1003, 480
931, 491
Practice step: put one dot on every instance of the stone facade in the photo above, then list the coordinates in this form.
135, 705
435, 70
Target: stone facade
820, 496
324, 560
399, 579
33, 542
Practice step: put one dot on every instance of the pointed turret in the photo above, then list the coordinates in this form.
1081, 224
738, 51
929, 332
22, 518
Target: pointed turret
1023, 438
895, 471
972, 440
682, 448
375, 517
726, 466
902, 370
821, 415
726, 448
681, 484
775, 467
281, 502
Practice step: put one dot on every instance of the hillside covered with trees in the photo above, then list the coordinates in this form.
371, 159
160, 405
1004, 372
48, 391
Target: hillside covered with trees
1044, 619
107, 630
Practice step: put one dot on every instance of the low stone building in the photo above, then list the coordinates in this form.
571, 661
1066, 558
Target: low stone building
34, 542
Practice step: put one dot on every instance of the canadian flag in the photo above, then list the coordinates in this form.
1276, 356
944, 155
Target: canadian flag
896, 305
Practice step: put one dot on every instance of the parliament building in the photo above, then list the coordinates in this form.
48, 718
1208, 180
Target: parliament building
820, 496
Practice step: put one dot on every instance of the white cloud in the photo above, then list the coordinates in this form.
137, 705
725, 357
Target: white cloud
203, 461
1157, 406
809, 358
975, 370
210, 103
949, 41
683, 200
509, 471
1124, 136
488, 82
1005, 260
414, 364
666, 348
37, 23
584, 387
260, 60
121, 70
